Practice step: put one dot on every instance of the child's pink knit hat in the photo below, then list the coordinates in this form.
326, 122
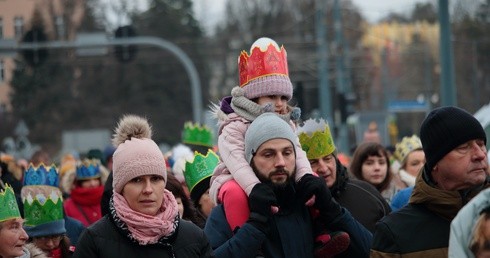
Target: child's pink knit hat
136, 153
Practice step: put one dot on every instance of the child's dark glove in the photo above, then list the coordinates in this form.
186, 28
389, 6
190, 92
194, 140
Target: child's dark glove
310, 185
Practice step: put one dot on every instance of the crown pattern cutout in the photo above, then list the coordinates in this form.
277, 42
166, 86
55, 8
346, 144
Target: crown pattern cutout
88, 169
42, 209
200, 168
266, 58
8, 204
407, 145
42, 204
197, 135
316, 139
41, 175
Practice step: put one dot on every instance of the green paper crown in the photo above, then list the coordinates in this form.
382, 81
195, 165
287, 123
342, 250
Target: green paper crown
197, 135
42, 204
316, 139
200, 168
8, 204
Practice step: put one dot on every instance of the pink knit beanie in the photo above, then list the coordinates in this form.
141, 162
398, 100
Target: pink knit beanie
136, 153
278, 85
264, 71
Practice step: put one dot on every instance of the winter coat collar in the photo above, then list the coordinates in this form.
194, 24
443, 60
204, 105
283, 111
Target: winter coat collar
442, 202
341, 179
31, 251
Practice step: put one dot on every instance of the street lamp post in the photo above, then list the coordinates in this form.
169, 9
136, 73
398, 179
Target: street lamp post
7, 47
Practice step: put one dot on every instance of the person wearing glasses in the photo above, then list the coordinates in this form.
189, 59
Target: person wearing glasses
43, 211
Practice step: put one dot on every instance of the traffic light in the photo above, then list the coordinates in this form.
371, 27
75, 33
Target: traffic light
125, 53
35, 57
346, 105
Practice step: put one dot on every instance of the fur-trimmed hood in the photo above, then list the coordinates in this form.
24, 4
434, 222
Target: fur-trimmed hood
67, 180
32, 251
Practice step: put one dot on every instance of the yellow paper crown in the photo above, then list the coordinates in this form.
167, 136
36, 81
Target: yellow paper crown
407, 145
316, 139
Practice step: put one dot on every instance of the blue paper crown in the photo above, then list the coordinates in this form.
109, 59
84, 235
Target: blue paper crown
88, 169
41, 175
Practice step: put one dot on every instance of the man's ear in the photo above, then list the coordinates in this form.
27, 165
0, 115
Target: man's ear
435, 173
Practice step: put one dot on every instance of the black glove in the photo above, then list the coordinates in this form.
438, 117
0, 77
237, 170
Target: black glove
310, 185
260, 201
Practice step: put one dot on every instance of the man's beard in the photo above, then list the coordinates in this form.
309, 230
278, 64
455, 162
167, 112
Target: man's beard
268, 179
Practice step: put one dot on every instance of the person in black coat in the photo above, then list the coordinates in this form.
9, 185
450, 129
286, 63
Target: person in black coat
143, 220
364, 202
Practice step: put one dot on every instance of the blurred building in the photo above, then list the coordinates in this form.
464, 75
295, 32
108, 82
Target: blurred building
60, 20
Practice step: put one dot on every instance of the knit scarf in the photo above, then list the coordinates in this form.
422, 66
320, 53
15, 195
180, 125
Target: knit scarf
87, 196
55, 253
146, 229
407, 178
250, 110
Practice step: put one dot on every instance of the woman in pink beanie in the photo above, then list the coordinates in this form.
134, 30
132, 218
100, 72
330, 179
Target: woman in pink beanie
144, 219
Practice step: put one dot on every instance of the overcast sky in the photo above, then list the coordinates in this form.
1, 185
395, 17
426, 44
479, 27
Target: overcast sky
211, 12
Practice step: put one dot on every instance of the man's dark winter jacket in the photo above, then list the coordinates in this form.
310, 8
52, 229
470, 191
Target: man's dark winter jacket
421, 228
246, 242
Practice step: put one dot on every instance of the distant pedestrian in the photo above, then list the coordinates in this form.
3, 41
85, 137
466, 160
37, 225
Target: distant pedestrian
84, 201
197, 174
370, 162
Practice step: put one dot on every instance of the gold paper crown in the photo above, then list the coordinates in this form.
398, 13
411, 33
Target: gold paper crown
316, 139
88, 169
266, 58
8, 204
407, 145
200, 168
197, 135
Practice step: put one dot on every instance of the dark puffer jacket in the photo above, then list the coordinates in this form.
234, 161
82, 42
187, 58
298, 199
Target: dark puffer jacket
105, 240
360, 198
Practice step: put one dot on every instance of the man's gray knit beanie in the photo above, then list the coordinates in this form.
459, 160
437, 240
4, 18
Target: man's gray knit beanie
266, 127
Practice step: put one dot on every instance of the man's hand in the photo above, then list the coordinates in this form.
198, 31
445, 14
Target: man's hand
261, 199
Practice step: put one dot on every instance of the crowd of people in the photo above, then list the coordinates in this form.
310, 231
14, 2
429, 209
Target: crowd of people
274, 186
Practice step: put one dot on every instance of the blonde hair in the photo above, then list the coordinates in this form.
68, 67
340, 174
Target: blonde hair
481, 236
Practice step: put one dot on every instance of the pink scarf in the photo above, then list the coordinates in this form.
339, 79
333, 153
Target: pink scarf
144, 228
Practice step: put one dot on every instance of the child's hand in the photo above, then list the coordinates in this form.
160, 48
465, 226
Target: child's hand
308, 187
311, 201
